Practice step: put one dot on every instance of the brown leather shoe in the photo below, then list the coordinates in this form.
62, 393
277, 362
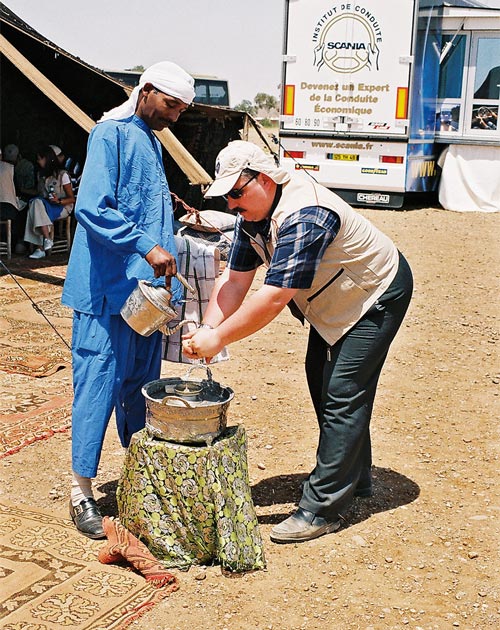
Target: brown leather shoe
87, 518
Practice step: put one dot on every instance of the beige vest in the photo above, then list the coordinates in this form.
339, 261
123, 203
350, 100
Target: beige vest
356, 268
7, 189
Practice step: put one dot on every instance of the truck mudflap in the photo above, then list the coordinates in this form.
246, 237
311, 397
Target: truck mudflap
362, 198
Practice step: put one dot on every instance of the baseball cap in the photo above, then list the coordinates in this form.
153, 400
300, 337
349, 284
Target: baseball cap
235, 158
57, 150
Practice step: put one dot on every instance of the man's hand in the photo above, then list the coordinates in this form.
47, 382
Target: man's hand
163, 264
202, 344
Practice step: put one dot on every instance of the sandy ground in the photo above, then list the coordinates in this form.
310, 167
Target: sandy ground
421, 553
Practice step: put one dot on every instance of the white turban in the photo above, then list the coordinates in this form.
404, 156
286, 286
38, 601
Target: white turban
167, 77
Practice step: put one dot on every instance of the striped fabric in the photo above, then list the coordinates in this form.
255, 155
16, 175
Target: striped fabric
199, 264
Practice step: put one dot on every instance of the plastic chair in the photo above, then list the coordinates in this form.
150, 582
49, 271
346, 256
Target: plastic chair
6, 246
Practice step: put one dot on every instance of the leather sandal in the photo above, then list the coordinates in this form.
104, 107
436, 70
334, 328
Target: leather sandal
87, 518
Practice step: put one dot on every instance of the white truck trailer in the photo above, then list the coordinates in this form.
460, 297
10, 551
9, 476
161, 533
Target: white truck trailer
364, 108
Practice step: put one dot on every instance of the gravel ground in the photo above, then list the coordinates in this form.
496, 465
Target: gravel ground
421, 553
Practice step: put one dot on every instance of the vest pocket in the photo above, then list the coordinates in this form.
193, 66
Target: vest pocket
325, 286
338, 304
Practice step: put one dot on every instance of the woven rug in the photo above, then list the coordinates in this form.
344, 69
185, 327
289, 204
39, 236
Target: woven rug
39, 423
36, 393
19, 362
50, 578
51, 269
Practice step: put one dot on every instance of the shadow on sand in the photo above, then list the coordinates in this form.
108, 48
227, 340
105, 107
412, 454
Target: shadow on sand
50, 270
390, 490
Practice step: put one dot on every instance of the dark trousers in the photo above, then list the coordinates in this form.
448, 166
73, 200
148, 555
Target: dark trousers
342, 382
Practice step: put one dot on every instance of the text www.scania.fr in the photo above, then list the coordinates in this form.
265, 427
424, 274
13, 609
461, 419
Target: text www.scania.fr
360, 146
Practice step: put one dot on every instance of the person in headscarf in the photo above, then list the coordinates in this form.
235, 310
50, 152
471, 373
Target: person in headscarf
124, 234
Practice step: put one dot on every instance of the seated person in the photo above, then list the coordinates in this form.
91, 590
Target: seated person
10, 205
24, 171
24, 182
69, 164
484, 118
55, 201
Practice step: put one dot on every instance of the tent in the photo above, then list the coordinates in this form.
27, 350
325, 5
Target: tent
48, 96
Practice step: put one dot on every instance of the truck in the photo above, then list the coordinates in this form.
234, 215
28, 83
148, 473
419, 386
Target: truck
209, 90
363, 103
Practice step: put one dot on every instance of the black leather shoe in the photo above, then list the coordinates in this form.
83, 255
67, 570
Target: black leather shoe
302, 526
87, 518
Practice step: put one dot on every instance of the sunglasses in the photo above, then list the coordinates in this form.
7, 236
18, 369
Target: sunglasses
237, 193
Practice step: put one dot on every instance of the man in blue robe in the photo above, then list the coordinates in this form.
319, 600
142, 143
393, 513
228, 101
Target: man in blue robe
124, 234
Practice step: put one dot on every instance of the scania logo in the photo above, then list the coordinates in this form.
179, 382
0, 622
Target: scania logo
347, 45
332, 48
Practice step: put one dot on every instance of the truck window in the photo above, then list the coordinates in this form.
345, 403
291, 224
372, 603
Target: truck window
452, 64
211, 92
469, 85
486, 81
451, 73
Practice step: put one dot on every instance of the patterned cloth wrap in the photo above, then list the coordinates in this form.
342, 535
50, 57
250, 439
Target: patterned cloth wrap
124, 546
191, 504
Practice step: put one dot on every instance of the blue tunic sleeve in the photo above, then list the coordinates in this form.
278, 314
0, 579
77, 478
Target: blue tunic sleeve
97, 206
124, 209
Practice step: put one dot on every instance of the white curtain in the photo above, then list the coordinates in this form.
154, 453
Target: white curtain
470, 181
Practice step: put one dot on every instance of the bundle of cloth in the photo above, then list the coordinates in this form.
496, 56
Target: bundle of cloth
209, 226
123, 546
199, 263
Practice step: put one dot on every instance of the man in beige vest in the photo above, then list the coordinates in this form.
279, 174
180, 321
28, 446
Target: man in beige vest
334, 269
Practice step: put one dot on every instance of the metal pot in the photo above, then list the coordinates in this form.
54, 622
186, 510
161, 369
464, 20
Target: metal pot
186, 410
149, 307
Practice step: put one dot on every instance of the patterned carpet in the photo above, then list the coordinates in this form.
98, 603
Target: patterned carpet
50, 578
35, 372
17, 361
21, 429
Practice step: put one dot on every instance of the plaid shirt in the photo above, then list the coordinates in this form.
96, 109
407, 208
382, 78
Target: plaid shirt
301, 242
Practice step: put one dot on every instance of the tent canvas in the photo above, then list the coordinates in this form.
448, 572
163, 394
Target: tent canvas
50, 96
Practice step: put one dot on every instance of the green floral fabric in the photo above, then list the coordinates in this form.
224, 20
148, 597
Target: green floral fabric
191, 504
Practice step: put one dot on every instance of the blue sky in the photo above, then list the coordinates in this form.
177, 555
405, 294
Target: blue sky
238, 41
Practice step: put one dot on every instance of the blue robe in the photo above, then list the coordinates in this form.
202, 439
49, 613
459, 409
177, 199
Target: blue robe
123, 210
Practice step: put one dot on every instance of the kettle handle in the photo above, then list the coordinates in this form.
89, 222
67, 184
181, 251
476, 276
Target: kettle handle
184, 282
204, 366
165, 401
